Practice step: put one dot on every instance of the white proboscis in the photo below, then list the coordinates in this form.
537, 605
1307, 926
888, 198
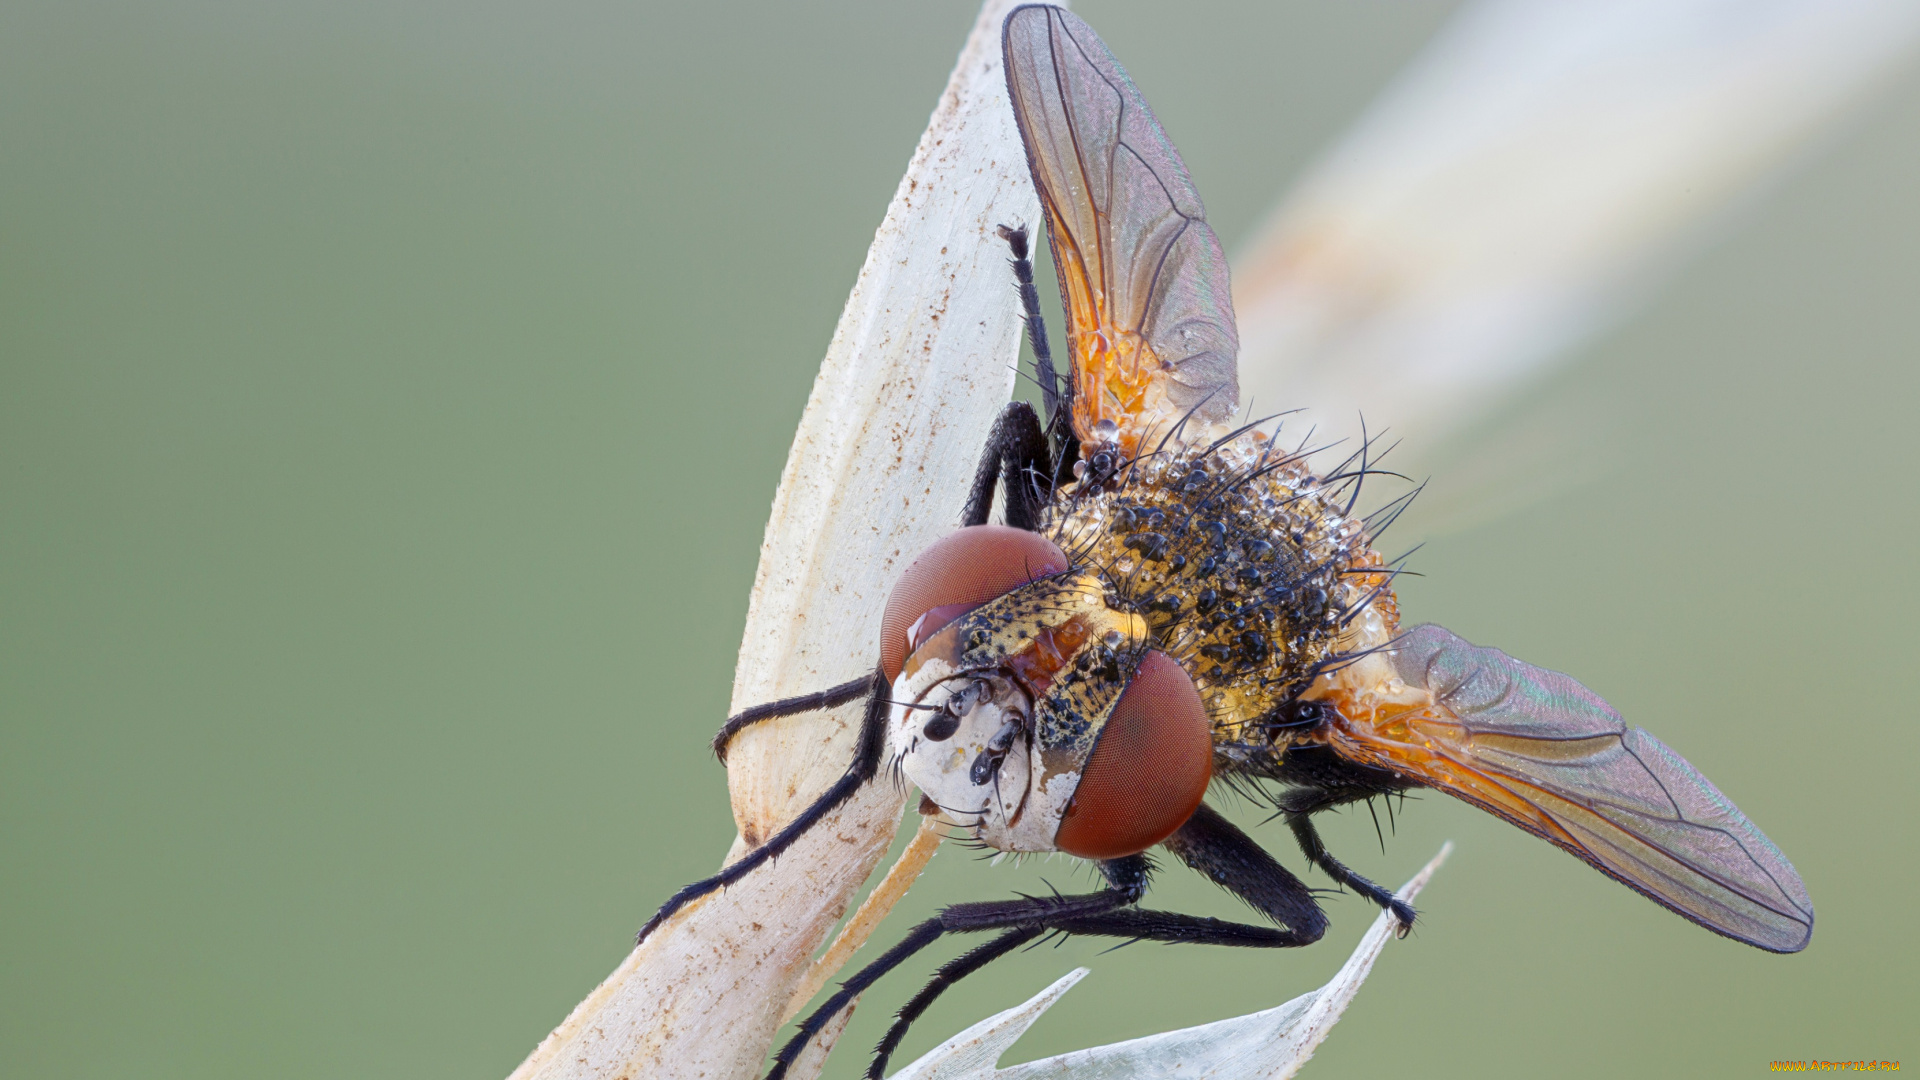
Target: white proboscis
1269, 1045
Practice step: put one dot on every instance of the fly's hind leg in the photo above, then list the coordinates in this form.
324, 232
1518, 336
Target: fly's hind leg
1299, 806
866, 762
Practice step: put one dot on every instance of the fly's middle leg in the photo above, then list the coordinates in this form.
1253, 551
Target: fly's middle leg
1022, 920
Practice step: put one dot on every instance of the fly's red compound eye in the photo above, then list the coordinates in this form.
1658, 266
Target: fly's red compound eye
959, 573
1148, 771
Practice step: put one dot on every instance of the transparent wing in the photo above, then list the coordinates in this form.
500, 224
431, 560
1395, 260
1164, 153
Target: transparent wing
1144, 282
1538, 749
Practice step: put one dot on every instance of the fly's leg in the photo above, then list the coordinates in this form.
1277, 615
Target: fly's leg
866, 762
1209, 844
1299, 806
830, 698
1231, 859
1016, 457
1023, 457
1136, 924
949, 973
1205, 846
1029, 917
1056, 394
1043, 372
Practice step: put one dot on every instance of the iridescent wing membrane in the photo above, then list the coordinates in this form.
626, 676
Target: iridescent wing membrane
1149, 311
1538, 749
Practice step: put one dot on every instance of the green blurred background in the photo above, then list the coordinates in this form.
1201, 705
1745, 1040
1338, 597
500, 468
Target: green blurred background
391, 396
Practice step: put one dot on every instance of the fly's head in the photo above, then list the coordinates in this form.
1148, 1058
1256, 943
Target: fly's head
1028, 708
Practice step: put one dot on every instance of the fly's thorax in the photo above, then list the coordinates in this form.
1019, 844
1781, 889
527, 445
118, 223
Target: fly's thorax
996, 713
1249, 572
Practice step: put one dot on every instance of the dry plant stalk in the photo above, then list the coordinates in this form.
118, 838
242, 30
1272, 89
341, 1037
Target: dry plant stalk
921, 361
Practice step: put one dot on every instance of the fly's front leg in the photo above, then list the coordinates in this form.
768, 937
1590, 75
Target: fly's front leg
830, 698
1023, 920
1299, 808
866, 762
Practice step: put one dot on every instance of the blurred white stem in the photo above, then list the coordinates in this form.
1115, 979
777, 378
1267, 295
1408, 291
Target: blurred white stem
1518, 187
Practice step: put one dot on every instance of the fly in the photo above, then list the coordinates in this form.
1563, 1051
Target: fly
1171, 603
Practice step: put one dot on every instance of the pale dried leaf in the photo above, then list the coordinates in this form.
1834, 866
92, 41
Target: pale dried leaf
921, 360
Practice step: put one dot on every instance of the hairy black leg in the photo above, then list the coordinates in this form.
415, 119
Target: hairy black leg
866, 762
1231, 859
951, 972
1299, 807
1056, 394
1137, 924
1126, 883
1043, 371
1131, 923
918, 938
1016, 457
830, 698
